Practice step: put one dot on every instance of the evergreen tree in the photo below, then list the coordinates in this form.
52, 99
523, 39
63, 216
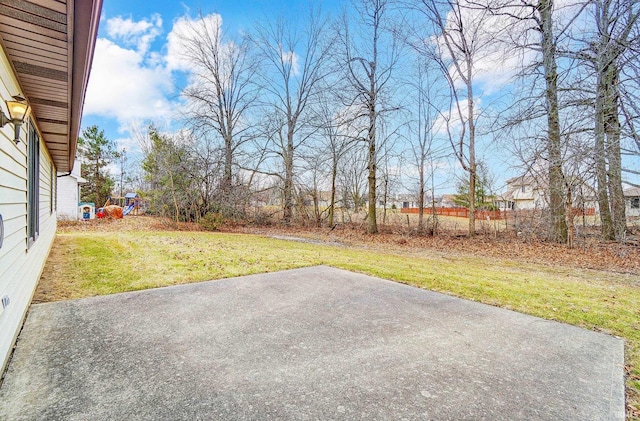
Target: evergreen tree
483, 197
164, 171
96, 152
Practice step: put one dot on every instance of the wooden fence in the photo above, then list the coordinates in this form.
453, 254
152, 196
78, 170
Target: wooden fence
459, 212
488, 215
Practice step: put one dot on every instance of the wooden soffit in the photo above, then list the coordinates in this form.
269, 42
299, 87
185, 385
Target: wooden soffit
50, 45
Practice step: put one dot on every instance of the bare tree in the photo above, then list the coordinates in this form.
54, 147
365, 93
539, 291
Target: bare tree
422, 132
615, 21
532, 28
334, 141
369, 55
558, 231
123, 165
630, 108
389, 174
294, 57
462, 37
221, 89
352, 181
630, 101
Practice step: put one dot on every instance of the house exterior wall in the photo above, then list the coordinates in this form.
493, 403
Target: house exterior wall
633, 207
523, 195
68, 199
21, 259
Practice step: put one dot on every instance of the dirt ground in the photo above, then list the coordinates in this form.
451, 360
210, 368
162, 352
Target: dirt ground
589, 253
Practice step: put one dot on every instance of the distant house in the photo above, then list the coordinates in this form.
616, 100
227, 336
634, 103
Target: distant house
632, 202
398, 201
524, 192
270, 196
403, 201
68, 196
528, 193
46, 54
447, 201
321, 197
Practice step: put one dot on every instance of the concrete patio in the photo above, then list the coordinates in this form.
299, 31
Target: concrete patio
313, 343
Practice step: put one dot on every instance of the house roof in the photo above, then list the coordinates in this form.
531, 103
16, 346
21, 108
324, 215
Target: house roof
50, 45
79, 179
448, 198
521, 179
632, 192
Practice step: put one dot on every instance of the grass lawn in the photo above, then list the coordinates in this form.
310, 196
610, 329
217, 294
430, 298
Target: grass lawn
84, 264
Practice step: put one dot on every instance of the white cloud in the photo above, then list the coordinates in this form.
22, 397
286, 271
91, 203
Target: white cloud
496, 60
129, 144
125, 87
290, 59
487, 36
197, 47
452, 121
135, 33
132, 81
496, 69
186, 29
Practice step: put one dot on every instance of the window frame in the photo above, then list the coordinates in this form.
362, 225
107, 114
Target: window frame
33, 184
52, 180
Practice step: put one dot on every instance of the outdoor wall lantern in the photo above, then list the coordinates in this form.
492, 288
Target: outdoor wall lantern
18, 108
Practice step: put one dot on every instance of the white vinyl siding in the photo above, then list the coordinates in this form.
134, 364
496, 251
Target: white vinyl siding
68, 198
21, 263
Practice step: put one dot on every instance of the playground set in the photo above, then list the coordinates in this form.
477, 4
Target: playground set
118, 207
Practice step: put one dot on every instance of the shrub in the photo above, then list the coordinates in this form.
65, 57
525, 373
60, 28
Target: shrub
212, 221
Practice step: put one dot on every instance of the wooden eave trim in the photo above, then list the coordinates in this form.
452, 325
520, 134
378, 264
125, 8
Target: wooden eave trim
83, 32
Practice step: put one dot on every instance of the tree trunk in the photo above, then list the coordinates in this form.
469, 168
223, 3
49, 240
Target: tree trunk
558, 223
600, 148
227, 177
332, 203
288, 182
316, 207
472, 200
173, 196
385, 199
606, 223
612, 131
472, 147
570, 223
434, 215
98, 184
372, 226
421, 199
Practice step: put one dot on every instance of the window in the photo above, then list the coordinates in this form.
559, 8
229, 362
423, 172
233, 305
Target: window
52, 189
33, 184
635, 203
524, 188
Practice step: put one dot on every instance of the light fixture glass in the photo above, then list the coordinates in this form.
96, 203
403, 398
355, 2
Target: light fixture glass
18, 110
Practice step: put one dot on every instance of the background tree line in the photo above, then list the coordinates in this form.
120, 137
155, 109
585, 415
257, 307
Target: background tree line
346, 109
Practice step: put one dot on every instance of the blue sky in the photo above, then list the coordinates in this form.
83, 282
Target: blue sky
136, 73
134, 78
131, 82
